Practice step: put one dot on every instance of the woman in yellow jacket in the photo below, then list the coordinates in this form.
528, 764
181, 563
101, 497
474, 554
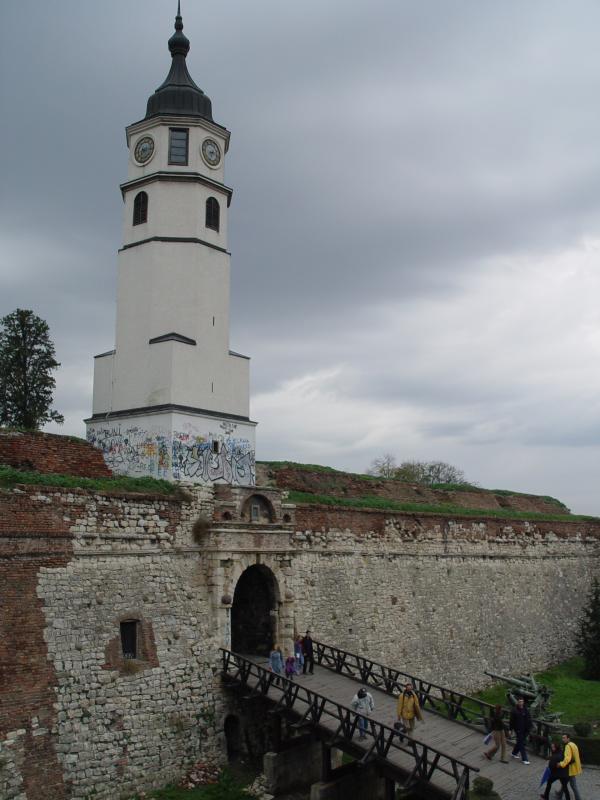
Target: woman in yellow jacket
408, 708
571, 759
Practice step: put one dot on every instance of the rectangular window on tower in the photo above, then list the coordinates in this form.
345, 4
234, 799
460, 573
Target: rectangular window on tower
178, 146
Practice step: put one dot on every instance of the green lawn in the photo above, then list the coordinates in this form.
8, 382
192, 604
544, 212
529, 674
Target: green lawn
577, 698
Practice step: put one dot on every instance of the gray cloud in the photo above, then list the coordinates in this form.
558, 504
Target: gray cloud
414, 187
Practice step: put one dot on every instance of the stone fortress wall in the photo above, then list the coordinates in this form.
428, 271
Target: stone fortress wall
443, 598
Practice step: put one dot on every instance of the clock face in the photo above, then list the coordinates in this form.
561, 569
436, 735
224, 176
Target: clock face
144, 149
211, 152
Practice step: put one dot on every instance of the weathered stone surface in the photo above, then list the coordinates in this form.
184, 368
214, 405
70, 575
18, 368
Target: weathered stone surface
444, 598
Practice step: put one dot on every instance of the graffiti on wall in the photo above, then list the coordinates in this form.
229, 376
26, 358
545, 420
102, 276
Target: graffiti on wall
133, 451
230, 461
182, 455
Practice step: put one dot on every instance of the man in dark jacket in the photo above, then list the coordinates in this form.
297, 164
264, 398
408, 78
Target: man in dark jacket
520, 723
309, 657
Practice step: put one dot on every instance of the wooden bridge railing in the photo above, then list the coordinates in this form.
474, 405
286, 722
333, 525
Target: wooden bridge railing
314, 709
439, 699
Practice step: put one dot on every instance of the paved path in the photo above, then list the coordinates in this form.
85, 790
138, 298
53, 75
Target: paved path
512, 781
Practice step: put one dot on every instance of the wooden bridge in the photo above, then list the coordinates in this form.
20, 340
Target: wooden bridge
439, 759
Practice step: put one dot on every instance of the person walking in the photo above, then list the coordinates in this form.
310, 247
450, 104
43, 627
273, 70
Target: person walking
298, 652
572, 761
276, 660
498, 731
290, 667
308, 651
520, 723
363, 704
408, 708
557, 773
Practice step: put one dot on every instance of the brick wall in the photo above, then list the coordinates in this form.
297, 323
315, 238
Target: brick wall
29, 543
47, 452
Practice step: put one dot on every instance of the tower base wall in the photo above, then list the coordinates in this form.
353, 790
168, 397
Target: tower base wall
177, 446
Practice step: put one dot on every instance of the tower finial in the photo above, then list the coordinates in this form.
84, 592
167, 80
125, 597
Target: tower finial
178, 20
178, 94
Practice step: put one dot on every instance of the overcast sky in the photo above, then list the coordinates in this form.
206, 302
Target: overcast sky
415, 225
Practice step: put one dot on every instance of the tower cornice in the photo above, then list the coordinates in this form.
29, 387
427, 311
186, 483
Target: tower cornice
177, 121
185, 177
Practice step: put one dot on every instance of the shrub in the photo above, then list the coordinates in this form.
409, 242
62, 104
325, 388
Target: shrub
582, 728
483, 788
200, 528
589, 749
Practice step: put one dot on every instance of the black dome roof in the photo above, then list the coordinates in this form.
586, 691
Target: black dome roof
179, 94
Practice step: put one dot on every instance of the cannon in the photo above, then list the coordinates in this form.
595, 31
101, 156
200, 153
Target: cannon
536, 695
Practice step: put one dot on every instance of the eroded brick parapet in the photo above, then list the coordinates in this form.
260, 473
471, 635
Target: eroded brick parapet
46, 452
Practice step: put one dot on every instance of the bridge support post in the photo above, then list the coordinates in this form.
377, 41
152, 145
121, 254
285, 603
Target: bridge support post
297, 766
325, 762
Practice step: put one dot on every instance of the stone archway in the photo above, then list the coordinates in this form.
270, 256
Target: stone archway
254, 611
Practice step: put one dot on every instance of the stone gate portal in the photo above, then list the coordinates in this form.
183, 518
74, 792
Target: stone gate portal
254, 611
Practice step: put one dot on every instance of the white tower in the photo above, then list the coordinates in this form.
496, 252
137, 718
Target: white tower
172, 400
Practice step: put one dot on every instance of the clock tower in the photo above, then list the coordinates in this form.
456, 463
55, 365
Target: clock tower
172, 400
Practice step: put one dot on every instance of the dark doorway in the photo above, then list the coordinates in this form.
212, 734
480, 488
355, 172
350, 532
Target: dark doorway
252, 623
233, 737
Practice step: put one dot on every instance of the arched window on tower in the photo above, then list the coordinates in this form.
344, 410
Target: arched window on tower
140, 208
212, 213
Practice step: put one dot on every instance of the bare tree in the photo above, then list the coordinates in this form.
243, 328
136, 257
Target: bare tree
383, 467
427, 473
441, 472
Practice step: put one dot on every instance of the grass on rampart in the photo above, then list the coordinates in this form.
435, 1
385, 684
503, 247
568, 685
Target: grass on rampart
576, 697
445, 509
11, 477
446, 487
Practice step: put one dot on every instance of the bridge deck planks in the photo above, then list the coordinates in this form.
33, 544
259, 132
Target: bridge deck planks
513, 779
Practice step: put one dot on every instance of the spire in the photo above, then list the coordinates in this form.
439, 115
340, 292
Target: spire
178, 94
178, 43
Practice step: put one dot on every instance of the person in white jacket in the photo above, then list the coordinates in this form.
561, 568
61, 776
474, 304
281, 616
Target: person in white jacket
363, 704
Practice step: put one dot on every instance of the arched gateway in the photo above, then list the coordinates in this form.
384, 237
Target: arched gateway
254, 614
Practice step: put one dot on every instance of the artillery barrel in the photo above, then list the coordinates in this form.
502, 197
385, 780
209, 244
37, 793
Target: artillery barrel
513, 681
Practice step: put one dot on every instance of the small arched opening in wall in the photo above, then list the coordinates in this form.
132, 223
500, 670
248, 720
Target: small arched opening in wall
258, 509
254, 613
